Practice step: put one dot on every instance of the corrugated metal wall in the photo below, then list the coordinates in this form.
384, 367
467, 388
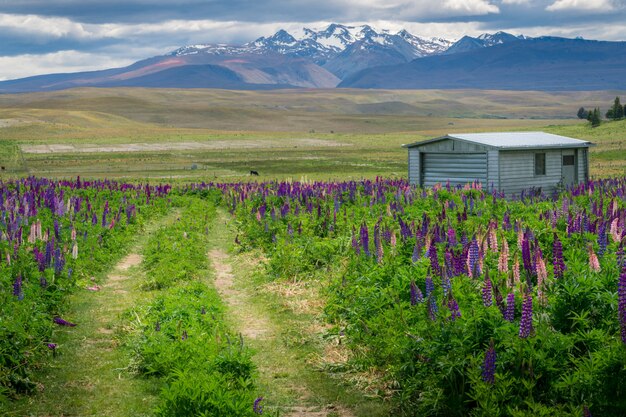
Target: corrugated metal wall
493, 171
583, 165
509, 171
458, 168
517, 171
414, 166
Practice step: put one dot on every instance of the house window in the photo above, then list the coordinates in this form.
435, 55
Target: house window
540, 164
568, 160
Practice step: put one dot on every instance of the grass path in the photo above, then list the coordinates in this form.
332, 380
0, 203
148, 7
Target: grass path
286, 378
87, 377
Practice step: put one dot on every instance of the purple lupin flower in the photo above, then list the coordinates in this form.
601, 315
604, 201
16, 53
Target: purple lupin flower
17, 288
506, 221
526, 323
472, 257
557, 259
586, 412
509, 313
157, 326
416, 251
452, 237
434, 260
378, 243
184, 335
257, 407
58, 320
489, 365
453, 306
53, 348
446, 285
432, 308
487, 293
365, 242
416, 294
621, 303
430, 286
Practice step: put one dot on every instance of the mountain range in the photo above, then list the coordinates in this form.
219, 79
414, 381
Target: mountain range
361, 57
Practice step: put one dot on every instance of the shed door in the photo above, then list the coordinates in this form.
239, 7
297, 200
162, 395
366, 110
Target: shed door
568, 167
458, 168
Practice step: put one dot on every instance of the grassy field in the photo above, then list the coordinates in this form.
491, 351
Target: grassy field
317, 134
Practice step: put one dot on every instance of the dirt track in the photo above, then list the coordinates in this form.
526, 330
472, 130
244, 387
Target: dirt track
180, 146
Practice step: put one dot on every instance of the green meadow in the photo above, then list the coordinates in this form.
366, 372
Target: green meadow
315, 134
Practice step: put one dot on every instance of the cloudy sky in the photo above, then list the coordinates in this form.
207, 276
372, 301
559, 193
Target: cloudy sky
44, 36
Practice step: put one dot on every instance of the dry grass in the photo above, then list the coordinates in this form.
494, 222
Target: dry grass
300, 297
216, 135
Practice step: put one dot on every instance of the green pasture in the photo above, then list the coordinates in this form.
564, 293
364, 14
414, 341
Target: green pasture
313, 134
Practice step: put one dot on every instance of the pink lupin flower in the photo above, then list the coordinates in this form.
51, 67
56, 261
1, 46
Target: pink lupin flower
493, 239
516, 271
75, 251
594, 264
616, 232
503, 260
32, 236
393, 239
520, 237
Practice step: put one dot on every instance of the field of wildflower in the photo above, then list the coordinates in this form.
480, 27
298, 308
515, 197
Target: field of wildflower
54, 237
465, 302
460, 301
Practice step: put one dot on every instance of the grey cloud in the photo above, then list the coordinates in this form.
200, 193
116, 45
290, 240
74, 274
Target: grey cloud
136, 29
102, 11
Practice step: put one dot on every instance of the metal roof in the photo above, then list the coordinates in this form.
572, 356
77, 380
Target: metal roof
512, 140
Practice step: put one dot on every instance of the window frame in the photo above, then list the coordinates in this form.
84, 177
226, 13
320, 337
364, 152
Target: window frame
537, 165
568, 156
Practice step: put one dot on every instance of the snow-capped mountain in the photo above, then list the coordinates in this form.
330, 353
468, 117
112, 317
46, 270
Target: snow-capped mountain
304, 58
468, 43
333, 46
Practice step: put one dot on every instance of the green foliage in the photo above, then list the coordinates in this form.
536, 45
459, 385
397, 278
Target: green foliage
180, 336
433, 362
594, 117
65, 212
616, 112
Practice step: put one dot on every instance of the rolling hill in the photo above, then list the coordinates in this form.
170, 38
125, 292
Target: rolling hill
546, 64
361, 57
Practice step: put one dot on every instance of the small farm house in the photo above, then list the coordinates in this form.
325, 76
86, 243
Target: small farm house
509, 161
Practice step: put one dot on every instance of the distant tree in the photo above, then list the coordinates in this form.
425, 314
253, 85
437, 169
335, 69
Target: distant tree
609, 114
595, 117
618, 109
582, 113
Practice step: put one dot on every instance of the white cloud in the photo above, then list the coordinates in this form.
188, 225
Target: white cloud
57, 27
53, 27
470, 7
581, 5
58, 62
516, 1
